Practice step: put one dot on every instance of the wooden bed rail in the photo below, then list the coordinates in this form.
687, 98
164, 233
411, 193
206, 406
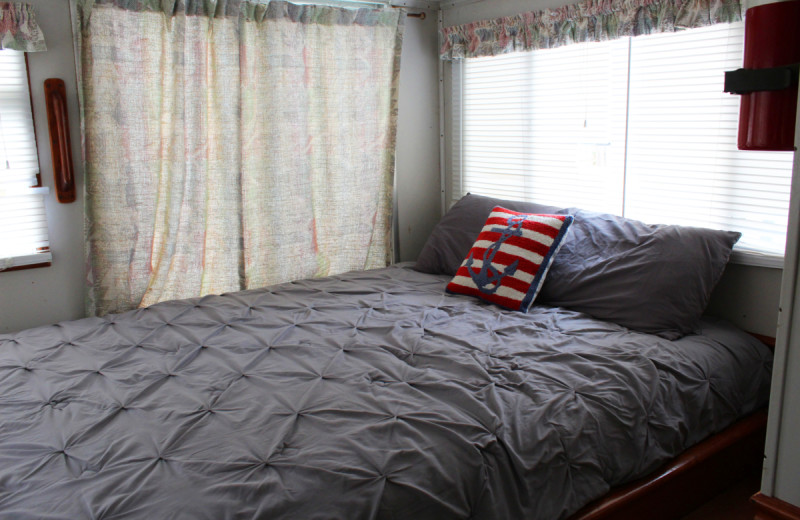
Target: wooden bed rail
766, 340
689, 480
770, 508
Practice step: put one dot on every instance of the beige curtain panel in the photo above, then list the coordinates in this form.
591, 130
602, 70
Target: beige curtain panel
233, 145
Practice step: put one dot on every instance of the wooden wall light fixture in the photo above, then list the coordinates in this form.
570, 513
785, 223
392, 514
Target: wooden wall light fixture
58, 125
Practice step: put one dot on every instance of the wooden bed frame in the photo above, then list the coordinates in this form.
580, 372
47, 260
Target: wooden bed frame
689, 480
692, 478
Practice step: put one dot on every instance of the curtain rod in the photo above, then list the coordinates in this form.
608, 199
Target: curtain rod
420, 15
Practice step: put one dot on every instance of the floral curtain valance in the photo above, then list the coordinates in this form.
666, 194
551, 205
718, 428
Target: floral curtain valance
587, 21
249, 10
18, 28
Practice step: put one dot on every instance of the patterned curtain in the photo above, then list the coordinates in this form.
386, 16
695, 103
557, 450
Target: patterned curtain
232, 144
587, 21
18, 28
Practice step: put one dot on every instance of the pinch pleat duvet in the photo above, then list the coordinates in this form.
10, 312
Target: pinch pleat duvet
367, 395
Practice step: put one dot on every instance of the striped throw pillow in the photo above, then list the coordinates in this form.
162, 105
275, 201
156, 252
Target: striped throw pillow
509, 261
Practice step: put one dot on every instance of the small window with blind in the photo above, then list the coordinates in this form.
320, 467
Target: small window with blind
23, 224
638, 127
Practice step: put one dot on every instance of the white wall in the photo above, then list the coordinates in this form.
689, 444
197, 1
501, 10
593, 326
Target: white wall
784, 430
47, 295
781, 476
748, 296
418, 185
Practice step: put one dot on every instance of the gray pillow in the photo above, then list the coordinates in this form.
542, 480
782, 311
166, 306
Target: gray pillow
650, 278
453, 236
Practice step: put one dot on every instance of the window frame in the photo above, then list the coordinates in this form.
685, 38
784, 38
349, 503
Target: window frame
46, 251
452, 99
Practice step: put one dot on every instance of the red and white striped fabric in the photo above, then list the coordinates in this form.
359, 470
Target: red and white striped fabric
509, 261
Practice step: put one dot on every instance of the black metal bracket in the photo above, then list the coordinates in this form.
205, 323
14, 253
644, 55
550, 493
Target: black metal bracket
744, 81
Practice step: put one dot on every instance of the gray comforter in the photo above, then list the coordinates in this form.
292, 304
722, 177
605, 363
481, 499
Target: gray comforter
368, 395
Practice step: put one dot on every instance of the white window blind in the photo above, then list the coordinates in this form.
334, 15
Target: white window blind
23, 225
555, 137
638, 127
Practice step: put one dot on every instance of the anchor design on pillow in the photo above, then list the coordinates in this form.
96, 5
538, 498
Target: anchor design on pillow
489, 278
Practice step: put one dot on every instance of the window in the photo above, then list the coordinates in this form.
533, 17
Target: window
638, 127
23, 225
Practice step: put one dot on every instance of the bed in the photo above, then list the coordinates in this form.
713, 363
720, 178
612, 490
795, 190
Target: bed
372, 394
